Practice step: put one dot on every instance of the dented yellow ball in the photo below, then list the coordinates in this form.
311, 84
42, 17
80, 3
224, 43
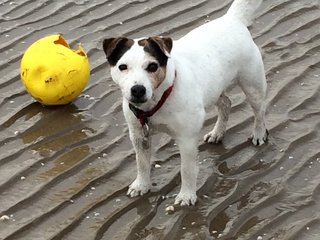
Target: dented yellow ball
53, 73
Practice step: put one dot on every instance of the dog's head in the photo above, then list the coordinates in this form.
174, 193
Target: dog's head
138, 66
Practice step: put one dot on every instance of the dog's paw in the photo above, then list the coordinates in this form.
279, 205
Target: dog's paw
138, 188
259, 139
186, 199
213, 137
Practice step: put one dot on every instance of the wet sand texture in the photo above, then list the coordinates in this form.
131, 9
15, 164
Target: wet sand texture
64, 171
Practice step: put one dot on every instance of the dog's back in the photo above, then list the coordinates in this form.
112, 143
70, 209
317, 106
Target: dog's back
224, 43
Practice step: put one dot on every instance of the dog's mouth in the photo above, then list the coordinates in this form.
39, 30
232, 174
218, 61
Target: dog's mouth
137, 102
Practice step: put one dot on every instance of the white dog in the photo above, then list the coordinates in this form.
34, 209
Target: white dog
168, 85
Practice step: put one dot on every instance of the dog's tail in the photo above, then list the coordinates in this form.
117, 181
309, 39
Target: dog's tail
244, 10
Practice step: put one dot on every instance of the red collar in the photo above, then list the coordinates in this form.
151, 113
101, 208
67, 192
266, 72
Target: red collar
143, 116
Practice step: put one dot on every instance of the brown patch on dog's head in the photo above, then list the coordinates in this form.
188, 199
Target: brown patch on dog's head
158, 77
158, 48
114, 48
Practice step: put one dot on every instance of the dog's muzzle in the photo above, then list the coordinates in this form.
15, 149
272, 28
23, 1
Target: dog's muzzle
138, 94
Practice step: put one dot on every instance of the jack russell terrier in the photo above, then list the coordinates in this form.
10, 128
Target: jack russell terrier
168, 85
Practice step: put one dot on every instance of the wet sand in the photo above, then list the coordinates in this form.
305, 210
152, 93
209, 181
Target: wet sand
64, 171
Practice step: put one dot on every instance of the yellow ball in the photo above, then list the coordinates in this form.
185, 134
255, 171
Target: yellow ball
53, 73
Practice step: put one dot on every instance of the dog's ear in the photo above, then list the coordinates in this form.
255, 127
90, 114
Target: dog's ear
114, 48
159, 47
164, 43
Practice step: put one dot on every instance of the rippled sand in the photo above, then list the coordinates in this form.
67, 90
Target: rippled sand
64, 171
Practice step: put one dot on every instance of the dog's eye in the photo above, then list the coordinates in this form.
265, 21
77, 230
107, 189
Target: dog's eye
123, 67
152, 67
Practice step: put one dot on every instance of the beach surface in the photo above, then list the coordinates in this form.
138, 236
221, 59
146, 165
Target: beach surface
64, 171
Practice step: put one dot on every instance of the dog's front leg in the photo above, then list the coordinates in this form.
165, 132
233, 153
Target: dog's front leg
141, 144
189, 171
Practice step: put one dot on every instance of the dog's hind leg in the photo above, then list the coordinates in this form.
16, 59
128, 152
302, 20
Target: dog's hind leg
253, 83
223, 106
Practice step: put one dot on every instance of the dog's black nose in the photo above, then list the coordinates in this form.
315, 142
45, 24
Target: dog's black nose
138, 92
